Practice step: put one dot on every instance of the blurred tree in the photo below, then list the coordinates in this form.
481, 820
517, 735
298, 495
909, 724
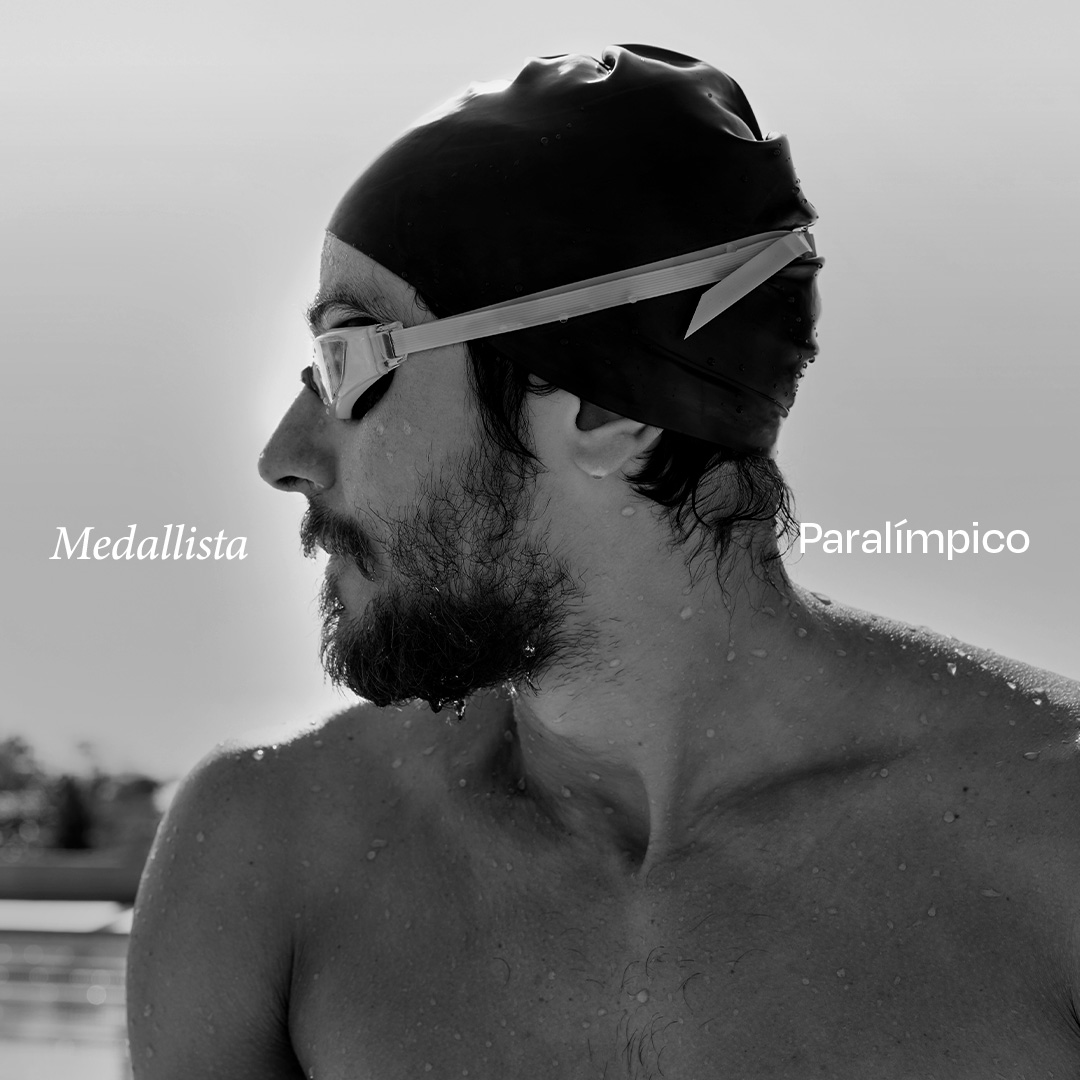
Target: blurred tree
73, 819
19, 769
68, 813
21, 794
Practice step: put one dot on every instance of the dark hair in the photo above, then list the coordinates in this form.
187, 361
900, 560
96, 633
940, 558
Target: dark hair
722, 489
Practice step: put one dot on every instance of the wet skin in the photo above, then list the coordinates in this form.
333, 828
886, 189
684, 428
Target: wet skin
379, 895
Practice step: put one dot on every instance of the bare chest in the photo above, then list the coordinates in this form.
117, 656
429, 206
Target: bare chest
839, 959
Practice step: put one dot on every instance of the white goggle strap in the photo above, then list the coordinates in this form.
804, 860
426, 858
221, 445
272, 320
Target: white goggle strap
739, 266
749, 276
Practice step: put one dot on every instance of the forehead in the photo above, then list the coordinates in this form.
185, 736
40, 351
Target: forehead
351, 283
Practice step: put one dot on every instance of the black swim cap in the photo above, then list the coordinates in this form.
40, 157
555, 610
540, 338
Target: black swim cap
582, 167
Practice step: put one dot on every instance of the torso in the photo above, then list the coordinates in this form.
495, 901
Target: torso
916, 923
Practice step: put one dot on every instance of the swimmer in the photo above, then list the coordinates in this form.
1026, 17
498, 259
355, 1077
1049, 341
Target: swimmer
619, 800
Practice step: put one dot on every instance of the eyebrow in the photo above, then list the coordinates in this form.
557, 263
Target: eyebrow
347, 302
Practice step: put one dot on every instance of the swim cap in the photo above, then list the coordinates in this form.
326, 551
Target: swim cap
582, 167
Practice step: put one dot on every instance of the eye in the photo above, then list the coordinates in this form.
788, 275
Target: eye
374, 393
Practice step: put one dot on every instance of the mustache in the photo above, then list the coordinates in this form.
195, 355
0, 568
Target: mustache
335, 534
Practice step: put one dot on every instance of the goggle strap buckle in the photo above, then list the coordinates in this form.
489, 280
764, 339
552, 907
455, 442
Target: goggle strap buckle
383, 348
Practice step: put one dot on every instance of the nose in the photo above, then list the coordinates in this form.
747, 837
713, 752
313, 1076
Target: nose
299, 455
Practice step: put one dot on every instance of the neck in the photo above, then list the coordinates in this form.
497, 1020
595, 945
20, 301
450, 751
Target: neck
686, 702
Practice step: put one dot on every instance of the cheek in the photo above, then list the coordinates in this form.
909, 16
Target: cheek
385, 462
436, 400
427, 418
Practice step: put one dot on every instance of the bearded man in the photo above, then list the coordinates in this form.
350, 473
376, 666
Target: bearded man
674, 816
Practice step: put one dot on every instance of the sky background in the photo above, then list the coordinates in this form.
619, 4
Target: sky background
168, 173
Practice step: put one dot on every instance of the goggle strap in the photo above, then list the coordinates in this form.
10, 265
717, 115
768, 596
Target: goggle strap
749, 276
719, 263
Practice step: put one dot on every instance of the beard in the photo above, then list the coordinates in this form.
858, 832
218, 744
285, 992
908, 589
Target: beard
471, 602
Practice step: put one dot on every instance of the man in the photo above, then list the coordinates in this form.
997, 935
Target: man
684, 818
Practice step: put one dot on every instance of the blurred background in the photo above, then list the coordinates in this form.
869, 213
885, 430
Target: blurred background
168, 172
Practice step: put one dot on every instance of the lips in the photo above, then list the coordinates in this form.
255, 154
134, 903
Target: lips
340, 558
339, 537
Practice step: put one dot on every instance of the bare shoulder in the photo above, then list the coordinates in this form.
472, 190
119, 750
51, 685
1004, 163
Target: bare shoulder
258, 838
1002, 737
992, 745
371, 775
210, 955
954, 680
985, 781
214, 935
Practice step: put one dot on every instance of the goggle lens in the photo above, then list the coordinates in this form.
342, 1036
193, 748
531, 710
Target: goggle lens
329, 367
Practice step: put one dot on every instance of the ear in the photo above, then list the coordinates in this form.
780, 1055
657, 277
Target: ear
608, 442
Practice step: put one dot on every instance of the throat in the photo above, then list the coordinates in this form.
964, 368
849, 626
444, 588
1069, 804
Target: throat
587, 800
625, 814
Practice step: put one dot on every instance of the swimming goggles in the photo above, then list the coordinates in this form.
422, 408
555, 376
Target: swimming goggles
350, 359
